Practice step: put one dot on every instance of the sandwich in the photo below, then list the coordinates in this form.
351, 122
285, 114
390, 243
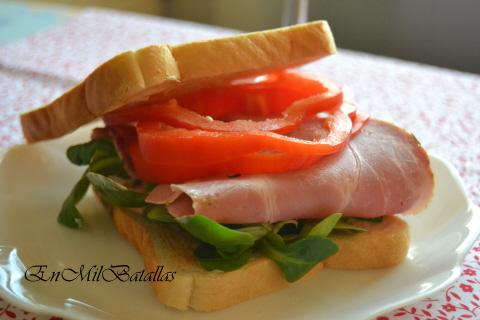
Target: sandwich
219, 161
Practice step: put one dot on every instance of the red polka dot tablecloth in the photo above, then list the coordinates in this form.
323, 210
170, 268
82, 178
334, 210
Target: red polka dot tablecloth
441, 107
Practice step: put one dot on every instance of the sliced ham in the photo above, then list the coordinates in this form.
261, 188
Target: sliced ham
382, 171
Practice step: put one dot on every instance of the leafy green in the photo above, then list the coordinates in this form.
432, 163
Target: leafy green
275, 238
348, 227
69, 214
109, 166
115, 193
296, 258
256, 231
158, 213
334, 222
347, 224
324, 227
299, 257
82, 154
210, 259
101, 156
228, 249
228, 242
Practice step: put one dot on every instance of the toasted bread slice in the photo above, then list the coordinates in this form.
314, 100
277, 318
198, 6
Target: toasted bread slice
383, 245
161, 72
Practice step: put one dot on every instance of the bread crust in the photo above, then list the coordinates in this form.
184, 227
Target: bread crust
383, 245
162, 71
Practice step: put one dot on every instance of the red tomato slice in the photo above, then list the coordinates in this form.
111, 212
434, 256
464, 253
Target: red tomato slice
249, 164
254, 163
261, 99
282, 122
172, 114
164, 144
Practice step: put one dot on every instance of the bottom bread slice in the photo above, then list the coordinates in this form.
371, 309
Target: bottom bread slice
383, 245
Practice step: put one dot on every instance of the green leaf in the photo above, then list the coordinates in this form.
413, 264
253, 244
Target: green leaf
275, 239
299, 257
348, 227
82, 154
109, 166
324, 227
228, 242
102, 157
116, 194
69, 214
256, 231
210, 259
158, 213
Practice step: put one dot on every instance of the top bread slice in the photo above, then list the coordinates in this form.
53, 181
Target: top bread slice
162, 71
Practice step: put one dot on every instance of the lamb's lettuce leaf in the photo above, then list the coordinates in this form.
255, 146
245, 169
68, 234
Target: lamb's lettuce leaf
210, 259
257, 231
101, 156
297, 258
109, 166
116, 194
228, 242
158, 213
82, 154
228, 249
324, 227
343, 226
69, 215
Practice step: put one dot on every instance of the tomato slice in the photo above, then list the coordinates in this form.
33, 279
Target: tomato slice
277, 123
254, 163
248, 164
261, 99
172, 114
160, 143
268, 97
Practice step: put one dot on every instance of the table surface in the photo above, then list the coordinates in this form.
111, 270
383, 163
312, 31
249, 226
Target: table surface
441, 107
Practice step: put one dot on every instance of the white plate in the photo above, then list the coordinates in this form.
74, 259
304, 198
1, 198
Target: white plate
34, 180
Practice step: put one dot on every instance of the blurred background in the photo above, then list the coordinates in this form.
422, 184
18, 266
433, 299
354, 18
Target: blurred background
438, 32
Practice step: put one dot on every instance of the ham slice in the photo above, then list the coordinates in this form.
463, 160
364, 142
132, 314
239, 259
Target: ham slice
382, 171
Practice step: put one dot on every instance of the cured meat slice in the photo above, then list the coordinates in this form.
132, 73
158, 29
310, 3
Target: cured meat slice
382, 171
